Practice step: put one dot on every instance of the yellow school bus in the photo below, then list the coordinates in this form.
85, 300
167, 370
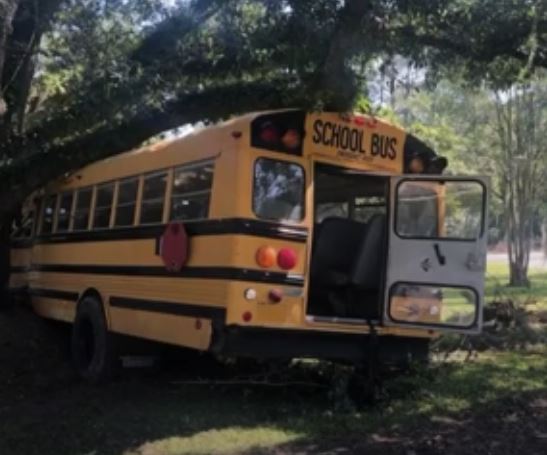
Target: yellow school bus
274, 234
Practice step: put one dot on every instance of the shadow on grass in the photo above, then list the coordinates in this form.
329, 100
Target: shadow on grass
45, 412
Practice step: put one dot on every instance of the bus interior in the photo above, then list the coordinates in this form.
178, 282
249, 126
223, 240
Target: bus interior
349, 244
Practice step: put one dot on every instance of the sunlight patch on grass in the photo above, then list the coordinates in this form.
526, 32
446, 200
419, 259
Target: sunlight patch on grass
225, 441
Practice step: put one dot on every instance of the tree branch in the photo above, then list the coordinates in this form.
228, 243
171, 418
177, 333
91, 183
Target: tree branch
37, 167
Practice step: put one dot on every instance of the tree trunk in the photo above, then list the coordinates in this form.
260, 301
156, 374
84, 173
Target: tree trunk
544, 238
7, 12
518, 275
4, 264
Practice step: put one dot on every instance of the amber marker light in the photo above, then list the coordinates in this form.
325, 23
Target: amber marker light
416, 165
265, 256
291, 139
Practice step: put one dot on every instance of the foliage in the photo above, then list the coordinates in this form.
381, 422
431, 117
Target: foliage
104, 66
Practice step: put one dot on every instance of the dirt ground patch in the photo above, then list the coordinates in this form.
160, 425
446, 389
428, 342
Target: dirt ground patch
497, 405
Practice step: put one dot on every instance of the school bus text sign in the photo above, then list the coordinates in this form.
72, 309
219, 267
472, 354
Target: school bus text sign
367, 140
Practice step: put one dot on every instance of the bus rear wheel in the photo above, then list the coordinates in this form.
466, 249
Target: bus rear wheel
92, 345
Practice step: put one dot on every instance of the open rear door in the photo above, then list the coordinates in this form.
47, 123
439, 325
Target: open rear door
437, 253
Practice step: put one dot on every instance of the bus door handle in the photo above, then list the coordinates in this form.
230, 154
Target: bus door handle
440, 257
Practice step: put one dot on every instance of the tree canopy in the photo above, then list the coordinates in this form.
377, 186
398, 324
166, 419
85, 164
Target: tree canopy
85, 79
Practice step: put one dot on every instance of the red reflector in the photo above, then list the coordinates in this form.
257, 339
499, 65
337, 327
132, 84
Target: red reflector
236, 134
359, 120
247, 316
275, 295
269, 133
371, 123
286, 258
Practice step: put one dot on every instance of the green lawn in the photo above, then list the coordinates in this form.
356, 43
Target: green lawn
157, 417
534, 297
496, 402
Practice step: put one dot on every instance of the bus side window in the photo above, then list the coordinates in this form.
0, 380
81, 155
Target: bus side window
28, 224
65, 208
48, 214
153, 198
191, 192
82, 209
127, 202
103, 206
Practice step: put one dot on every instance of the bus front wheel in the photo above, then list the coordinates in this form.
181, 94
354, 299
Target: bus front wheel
92, 345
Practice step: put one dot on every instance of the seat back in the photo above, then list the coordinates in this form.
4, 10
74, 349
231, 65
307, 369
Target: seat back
366, 271
335, 244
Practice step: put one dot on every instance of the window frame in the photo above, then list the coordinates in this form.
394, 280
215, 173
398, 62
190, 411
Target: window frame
70, 211
136, 203
304, 180
96, 190
438, 237
141, 198
75, 209
53, 215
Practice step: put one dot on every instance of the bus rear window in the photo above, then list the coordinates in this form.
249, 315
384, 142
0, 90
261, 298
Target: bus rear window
278, 192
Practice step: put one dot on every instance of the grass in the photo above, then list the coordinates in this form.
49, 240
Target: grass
534, 297
157, 417
45, 410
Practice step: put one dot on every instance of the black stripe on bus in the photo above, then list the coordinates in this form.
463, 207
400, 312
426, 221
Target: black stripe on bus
193, 228
19, 269
180, 309
54, 294
222, 273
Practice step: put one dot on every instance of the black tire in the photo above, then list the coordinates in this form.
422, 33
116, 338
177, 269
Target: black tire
92, 345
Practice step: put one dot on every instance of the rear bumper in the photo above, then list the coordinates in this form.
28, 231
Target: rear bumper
284, 343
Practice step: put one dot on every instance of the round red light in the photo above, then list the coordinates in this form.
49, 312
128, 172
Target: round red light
286, 258
269, 133
275, 295
247, 316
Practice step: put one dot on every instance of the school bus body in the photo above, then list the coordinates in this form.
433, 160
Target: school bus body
202, 305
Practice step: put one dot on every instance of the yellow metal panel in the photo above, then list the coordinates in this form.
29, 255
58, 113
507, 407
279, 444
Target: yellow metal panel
184, 290
355, 141
178, 330
18, 280
209, 250
54, 309
20, 257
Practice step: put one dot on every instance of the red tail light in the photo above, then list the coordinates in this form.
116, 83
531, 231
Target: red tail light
286, 258
269, 133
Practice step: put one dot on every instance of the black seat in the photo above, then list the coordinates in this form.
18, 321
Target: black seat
366, 271
347, 267
334, 252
